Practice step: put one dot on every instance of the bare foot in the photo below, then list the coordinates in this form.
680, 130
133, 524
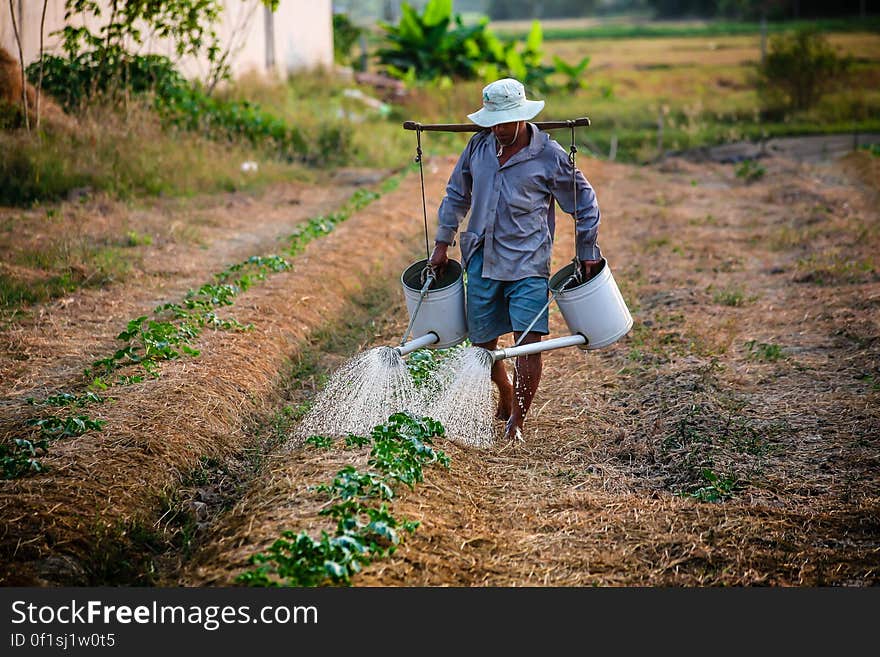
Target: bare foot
513, 432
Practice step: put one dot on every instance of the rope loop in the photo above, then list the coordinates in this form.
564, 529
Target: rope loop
422, 178
574, 195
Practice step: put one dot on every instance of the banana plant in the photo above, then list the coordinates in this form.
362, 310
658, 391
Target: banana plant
573, 73
436, 45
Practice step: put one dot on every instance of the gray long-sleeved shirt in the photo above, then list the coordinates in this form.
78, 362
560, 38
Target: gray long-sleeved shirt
511, 207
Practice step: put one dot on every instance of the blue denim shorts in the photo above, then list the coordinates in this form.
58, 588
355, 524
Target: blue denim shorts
498, 307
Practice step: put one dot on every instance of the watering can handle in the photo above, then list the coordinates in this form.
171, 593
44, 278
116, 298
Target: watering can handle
578, 274
428, 276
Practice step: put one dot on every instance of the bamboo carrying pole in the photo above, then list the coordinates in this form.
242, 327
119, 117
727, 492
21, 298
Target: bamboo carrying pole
473, 127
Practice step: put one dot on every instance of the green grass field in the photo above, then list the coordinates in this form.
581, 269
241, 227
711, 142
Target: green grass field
700, 86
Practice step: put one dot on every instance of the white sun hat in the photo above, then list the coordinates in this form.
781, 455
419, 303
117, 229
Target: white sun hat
504, 101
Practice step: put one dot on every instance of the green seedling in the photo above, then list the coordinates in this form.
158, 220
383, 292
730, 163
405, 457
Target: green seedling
750, 170
764, 351
68, 399
323, 442
717, 488
365, 530
56, 427
21, 457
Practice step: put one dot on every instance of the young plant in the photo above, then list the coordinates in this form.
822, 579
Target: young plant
55, 427
21, 457
365, 527
764, 351
322, 442
574, 74
716, 489
750, 170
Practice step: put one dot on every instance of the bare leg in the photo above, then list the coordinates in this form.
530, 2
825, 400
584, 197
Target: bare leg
526, 377
502, 381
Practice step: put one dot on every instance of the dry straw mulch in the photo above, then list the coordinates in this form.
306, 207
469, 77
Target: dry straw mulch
70, 525
754, 357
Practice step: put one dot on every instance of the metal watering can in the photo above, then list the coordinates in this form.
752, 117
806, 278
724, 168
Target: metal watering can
436, 307
593, 310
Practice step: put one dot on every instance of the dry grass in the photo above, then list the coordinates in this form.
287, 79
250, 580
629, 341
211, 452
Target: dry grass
605, 490
104, 488
776, 395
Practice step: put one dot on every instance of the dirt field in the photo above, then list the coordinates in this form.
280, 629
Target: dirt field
732, 438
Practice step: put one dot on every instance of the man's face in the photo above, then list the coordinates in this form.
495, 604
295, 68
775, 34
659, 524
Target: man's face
505, 132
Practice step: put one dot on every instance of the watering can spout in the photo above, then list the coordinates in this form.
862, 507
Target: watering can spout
539, 347
427, 339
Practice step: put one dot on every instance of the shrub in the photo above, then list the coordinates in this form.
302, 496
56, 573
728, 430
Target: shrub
76, 80
799, 69
345, 34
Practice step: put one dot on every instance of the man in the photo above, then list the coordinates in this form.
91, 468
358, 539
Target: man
507, 178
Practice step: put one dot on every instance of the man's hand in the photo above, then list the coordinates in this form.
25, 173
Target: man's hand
590, 268
439, 259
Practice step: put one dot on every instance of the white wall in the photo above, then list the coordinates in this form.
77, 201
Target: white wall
302, 35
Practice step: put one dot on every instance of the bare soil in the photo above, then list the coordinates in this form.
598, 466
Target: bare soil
751, 377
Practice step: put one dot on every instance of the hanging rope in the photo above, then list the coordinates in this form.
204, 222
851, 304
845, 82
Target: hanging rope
422, 177
572, 158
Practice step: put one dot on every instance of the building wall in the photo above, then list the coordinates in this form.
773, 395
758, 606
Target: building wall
299, 36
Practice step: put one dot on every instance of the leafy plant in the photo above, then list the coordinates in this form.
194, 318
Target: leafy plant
574, 74
353, 440
68, 399
437, 44
188, 24
423, 363
750, 170
365, 527
717, 488
322, 442
345, 34
80, 77
21, 457
764, 351
66, 427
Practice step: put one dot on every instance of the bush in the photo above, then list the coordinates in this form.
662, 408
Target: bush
799, 69
345, 34
73, 81
116, 74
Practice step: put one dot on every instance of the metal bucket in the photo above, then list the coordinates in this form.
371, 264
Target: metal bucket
442, 311
594, 309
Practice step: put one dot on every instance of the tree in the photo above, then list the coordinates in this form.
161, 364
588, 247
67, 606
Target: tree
189, 24
799, 69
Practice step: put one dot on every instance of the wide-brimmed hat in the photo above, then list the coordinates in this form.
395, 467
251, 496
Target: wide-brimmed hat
505, 101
